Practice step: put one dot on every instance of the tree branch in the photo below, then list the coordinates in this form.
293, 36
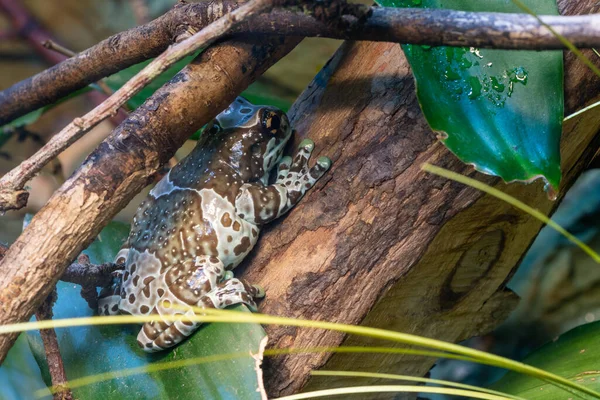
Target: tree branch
56, 366
90, 276
419, 26
14, 181
55, 362
380, 243
121, 166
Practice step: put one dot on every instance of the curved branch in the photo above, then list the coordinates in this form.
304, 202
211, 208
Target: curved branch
14, 181
121, 166
418, 26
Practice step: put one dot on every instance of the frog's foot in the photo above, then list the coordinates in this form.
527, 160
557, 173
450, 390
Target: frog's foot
296, 176
233, 291
109, 297
180, 289
162, 334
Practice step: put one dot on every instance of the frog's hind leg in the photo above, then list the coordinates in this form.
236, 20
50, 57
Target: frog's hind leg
229, 292
179, 289
233, 291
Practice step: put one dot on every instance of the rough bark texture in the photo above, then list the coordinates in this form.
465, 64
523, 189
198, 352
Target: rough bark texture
431, 27
120, 167
379, 242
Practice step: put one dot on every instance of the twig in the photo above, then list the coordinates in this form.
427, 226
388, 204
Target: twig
14, 181
55, 362
90, 276
28, 28
52, 45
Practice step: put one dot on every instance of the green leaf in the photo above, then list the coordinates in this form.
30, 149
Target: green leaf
7, 130
93, 350
575, 355
500, 110
20, 375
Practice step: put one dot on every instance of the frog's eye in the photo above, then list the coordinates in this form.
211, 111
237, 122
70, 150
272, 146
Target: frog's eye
213, 129
271, 122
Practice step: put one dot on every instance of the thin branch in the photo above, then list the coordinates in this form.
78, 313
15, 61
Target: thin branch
52, 45
55, 362
90, 276
29, 29
84, 273
14, 181
418, 26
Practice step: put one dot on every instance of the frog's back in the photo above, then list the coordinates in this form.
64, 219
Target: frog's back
182, 219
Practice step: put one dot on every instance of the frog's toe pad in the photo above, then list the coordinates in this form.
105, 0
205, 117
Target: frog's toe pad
324, 163
307, 145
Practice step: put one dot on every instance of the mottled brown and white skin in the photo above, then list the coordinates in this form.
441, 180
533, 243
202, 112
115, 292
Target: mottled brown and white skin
204, 217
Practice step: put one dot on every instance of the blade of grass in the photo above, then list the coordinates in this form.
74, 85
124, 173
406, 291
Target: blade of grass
162, 366
377, 375
560, 37
513, 202
392, 389
576, 113
211, 315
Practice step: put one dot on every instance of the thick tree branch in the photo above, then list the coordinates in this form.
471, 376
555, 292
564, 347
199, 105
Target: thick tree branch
14, 181
121, 166
430, 27
380, 243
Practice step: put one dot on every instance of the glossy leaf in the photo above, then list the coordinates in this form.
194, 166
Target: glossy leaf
93, 350
20, 375
575, 355
500, 110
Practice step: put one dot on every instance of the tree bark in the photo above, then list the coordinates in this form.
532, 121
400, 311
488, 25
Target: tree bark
380, 243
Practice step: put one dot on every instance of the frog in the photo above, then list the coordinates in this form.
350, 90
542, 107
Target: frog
203, 218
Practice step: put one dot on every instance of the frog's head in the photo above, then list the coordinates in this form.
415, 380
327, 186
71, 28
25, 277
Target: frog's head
253, 138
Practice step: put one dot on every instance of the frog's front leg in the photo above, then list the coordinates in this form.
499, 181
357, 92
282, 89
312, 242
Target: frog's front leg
110, 296
259, 204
